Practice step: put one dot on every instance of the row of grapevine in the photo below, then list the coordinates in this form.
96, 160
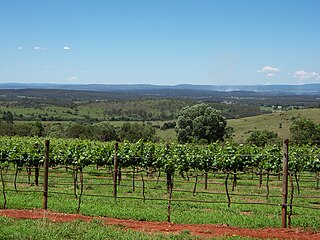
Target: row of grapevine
226, 157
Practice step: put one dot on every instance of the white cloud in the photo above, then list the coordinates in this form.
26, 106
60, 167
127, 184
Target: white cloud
269, 71
20, 48
303, 75
66, 48
270, 75
39, 48
73, 78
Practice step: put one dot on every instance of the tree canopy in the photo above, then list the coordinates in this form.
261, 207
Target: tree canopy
304, 130
263, 138
200, 123
132, 132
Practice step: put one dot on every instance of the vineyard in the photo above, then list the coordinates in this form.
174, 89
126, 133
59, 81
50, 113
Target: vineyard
217, 183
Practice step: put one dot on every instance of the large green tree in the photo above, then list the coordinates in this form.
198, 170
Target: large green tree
304, 130
200, 123
136, 131
263, 138
104, 131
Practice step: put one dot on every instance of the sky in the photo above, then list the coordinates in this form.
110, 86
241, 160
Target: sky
163, 42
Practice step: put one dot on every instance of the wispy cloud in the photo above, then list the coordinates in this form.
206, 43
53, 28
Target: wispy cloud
37, 48
20, 48
304, 75
269, 71
72, 78
270, 75
66, 48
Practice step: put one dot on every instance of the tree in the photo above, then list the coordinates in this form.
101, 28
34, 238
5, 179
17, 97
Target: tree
70, 130
200, 123
104, 131
136, 131
38, 129
6, 129
23, 129
168, 125
263, 138
7, 117
305, 131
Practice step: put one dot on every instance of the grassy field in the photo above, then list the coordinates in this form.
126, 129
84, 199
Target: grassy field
12, 229
205, 206
278, 122
44, 229
55, 112
163, 109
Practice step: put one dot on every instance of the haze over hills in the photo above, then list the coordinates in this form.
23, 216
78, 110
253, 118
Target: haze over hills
271, 89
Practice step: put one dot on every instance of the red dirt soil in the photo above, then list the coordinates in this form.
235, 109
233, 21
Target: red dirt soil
203, 230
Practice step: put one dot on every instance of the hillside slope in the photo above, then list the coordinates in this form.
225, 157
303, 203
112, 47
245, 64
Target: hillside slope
278, 122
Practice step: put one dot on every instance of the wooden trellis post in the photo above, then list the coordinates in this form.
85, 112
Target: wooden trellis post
45, 175
285, 183
115, 170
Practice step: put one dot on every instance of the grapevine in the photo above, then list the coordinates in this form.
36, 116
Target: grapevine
181, 158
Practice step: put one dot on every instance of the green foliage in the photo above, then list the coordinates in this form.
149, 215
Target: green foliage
304, 131
200, 123
99, 181
6, 129
70, 130
182, 158
245, 126
135, 131
186, 159
168, 125
7, 117
21, 129
38, 129
263, 138
100, 131
91, 106
104, 131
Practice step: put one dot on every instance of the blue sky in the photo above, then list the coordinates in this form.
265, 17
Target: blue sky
160, 41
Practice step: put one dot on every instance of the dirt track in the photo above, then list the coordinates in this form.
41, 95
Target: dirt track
204, 230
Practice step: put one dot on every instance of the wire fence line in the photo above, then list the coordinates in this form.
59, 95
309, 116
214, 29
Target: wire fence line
141, 183
230, 186
157, 188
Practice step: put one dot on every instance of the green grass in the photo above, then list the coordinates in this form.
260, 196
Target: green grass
242, 215
271, 122
44, 229
278, 122
168, 135
13, 229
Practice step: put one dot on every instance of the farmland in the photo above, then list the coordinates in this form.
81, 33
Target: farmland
159, 120
232, 184
278, 122
81, 177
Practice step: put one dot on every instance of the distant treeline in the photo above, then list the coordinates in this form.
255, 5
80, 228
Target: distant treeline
97, 131
113, 110
164, 105
62, 96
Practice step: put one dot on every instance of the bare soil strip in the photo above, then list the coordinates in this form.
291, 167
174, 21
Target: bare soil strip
204, 230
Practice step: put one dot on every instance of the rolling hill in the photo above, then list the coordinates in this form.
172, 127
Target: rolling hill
278, 122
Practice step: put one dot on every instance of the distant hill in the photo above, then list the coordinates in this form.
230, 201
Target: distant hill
271, 89
278, 122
